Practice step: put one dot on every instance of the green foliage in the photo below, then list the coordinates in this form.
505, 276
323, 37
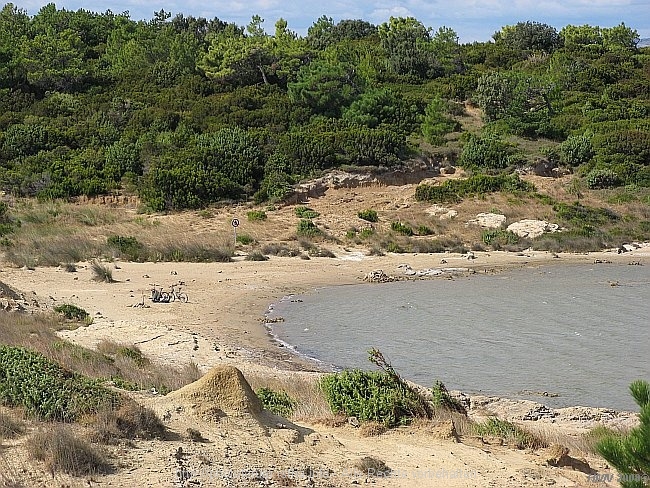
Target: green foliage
498, 238
443, 399
307, 228
602, 178
369, 395
368, 215
582, 215
306, 213
509, 432
71, 312
277, 402
245, 239
436, 123
44, 389
576, 150
402, 229
127, 247
256, 215
456, 190
487, 152
423, 230
630, 453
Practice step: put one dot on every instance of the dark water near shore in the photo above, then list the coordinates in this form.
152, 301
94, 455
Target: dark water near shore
558, 329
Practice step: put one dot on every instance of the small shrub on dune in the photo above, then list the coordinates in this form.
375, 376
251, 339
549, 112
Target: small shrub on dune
371, 466
128, 421
368, 215
402, 229
245, 239
306, 228
277, 402
61, 450
509, 432
71, 312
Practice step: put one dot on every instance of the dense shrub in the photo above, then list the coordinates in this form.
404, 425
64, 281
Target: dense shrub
602, 178
71, 312
277, 402
497, 238
370, 395
307, 228
509, 432
368, 215
306, 213
455, 190
46, 390
127, 247
402, 229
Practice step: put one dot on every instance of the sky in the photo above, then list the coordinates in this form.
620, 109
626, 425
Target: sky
472, 20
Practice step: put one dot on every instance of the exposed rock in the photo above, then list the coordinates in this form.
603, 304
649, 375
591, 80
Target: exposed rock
378, 276
489, 220
532, 228
539, 412
443, 213
544, 167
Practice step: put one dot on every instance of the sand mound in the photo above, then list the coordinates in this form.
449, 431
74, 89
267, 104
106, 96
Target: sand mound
223, 391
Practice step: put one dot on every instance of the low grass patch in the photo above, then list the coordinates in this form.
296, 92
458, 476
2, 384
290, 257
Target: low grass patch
281, 250
453, 191
511, 434
256, 216
62, 450
402, 229
245, 239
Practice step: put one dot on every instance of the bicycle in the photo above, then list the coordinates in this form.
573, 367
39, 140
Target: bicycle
177, 295
159, 296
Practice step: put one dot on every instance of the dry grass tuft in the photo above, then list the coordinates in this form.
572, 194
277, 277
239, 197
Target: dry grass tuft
10, 427
62, 450
101, 272
372, 429
128, 421
371, 466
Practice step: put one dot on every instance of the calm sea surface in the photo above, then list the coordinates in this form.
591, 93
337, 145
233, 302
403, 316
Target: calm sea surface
558, 329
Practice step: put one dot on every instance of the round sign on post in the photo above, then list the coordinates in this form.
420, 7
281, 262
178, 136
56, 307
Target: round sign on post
235, 224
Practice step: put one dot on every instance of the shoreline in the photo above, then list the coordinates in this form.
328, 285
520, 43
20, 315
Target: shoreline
229, 301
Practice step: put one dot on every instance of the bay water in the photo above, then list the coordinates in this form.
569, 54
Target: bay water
561, 335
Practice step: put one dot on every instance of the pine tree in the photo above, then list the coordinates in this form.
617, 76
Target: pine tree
630, 454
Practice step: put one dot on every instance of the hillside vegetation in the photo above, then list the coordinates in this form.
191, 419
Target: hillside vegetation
185, 112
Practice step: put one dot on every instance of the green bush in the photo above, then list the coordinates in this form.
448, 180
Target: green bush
306, 228
497, 238
306, 213
245, 239
128, 247
46, 390
370, 395
423, 230
602, 178
277, 402
71, 312
442, 398
369, 215
256, 215
455, 190
101, 272
402, 229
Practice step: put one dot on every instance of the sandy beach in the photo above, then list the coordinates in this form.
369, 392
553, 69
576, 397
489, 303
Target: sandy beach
222, 324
